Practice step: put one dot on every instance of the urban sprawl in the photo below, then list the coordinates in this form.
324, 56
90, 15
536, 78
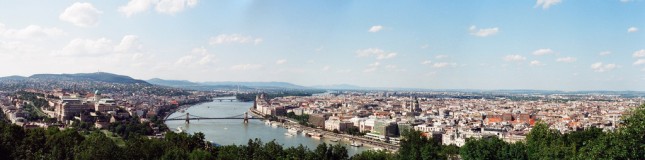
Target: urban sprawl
380, 116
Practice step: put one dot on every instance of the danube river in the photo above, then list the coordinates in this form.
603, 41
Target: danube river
234, 131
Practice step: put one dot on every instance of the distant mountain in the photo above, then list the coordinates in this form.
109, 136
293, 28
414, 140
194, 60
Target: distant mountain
12, 78
98, 76
172, 83
340, 87
224, 85
283, 85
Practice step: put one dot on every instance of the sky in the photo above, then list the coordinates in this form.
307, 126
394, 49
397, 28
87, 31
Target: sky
434, 44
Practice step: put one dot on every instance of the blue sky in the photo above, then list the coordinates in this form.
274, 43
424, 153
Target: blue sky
543, 44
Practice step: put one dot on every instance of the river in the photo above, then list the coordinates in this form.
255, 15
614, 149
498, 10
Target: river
234, 131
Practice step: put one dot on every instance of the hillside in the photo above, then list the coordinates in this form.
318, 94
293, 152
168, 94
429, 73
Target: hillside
98, 76
172, 83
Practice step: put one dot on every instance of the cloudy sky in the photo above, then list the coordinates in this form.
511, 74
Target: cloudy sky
524, 44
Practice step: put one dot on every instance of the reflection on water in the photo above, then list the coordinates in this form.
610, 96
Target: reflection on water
234, 131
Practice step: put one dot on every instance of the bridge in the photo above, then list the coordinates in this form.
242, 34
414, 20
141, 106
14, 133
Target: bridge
225, 99
245, 116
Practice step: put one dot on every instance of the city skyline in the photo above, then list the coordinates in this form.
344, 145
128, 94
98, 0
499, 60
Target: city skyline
543, 44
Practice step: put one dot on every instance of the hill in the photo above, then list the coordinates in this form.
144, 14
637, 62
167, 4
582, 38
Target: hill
172, 83
98, 76
340, 87
284, 85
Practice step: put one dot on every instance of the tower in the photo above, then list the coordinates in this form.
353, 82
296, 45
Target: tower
246, 117
187, 118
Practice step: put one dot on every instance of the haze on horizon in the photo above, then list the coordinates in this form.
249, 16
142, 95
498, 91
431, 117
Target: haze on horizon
528, 44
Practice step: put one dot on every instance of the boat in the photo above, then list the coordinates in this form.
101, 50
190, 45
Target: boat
354, 144
316, 136
294, 131
267, 122
275, 125
179, 129
334, 140
288, 134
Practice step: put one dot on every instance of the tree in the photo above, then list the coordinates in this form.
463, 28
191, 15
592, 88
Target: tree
199, 154
543, 142
61, 145
373, 155
634, 133
98, 146
485, 148
339, 152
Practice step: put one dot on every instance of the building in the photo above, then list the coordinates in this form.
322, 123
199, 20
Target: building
334, 123
318, 120
105, 105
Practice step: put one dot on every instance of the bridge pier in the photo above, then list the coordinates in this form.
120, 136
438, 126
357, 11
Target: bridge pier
187, 118
246, 117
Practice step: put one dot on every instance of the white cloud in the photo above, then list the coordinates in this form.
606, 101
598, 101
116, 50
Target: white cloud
81, 14
245, 67
639, 53
136, 6
535, 63
326, 68
233, 38
604, 53
599, 67
87, 47
344, 71
129, 44
483, 32
443, 64
639, 62
369, 70
441, 56
376, 28
632, 29
545, 4
31, 32
206, 58
378, 53
174, 6
199, 56
566, 59
544, 51
281, 61
514, 58
426, 62
372, 67
161, 6
425, 46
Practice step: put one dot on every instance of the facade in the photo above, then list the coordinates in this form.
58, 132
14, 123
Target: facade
317, 120
333, 123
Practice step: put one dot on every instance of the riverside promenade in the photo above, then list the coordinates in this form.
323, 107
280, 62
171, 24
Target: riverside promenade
288, 123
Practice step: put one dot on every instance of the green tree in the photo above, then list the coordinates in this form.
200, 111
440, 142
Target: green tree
485, 148
199, 154
98, 146
634, 133
373, 155
175, 154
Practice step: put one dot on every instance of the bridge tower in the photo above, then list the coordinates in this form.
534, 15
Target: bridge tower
187, 118
246, 117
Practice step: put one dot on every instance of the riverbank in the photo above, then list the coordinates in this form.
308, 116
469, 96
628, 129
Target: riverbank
362, 141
